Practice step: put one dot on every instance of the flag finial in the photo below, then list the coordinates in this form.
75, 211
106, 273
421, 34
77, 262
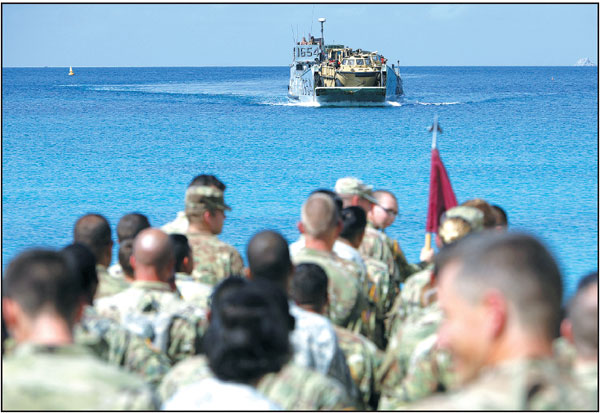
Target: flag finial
435, 128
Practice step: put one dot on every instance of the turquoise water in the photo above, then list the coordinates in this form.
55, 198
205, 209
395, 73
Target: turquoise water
117, 140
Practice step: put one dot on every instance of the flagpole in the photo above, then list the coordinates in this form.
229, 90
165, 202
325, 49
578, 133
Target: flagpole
434, 129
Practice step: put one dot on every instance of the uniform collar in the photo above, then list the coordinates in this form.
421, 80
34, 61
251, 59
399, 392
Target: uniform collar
151, 285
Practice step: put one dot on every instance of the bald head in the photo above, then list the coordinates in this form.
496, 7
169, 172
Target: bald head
320, 215
152, 249
93, 231
269, 258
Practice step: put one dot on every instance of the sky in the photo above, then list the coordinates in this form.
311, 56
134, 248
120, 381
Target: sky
127, 35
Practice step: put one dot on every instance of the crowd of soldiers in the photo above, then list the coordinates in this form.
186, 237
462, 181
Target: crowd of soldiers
337, 320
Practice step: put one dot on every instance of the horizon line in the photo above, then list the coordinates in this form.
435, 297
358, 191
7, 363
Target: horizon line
215, 66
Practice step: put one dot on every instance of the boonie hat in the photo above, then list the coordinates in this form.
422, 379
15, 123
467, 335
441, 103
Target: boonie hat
354, 186
200, 198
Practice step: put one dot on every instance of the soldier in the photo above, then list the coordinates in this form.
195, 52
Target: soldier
105, 337
314, 340
295, 387
180, 224
128, 227
378, 282
580, 329
501, 294
213, 258
489, 216
501, 218
193, 291
419, 288
381, 216
374, 244
321, 225
94, 232
309, 291
41, 302
338, 247
150, 307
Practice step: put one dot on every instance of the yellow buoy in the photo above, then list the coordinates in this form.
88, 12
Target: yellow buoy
71, 71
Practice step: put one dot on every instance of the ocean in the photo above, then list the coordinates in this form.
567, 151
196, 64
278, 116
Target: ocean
119, 140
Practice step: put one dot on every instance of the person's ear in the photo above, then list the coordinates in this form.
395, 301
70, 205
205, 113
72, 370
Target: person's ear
496, 308
566, 330
300, 226
10, 313
132, 262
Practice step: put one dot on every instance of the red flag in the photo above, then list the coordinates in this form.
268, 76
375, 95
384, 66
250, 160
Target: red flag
441, 195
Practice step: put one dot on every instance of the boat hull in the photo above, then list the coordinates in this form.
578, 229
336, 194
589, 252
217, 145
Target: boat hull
304, 87
350, 94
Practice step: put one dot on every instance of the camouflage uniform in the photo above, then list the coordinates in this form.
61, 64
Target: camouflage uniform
375, 245
524, 384
214, 259
118, 346
184, 323
192, 291
178, 226
586, 375
346, 299
293, 388
116, 271
564, 352
69, 377
316, 346
428, 371
107, 284
405, 268
398, 356
379, 293
363, 360
411, 299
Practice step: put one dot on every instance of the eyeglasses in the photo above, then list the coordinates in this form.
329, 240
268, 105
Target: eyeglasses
388, 210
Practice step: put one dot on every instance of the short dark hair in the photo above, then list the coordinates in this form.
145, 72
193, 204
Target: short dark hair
336, 198
582, 312
125, 252
489, 218
584, 282
269, 258
181, 248
93, 230
500, 214
309, 286
521, 268
354, 219
207, 180
41, 279
248, 333
83, 264
130, 225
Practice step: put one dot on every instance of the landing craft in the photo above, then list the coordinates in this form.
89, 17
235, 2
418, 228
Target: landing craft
336, 73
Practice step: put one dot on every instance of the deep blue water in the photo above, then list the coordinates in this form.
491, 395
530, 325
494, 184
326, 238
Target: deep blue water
118, 140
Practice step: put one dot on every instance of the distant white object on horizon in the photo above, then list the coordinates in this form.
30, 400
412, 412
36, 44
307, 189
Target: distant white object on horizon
71, 71
585, 62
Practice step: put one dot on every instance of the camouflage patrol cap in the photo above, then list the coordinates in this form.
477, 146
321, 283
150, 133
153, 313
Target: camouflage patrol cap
470, 214
201, 198
354, 186
459, 221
